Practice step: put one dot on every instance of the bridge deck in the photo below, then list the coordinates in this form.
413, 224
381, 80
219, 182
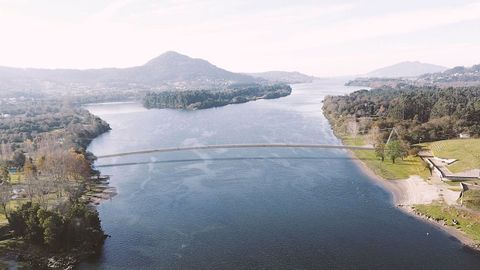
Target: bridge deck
229, 146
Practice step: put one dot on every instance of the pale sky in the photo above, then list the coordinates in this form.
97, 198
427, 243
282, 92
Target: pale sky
318, 37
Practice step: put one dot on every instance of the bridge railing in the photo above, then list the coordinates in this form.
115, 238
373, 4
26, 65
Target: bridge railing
230, 146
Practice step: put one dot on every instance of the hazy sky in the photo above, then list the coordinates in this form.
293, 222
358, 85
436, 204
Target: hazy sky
319, 37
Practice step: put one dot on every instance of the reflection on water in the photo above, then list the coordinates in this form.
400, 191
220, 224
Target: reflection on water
252, 208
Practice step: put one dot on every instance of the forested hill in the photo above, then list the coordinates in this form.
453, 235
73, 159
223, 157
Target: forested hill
203, 99
418, 113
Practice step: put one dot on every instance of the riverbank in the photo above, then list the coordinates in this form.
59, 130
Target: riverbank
413, 191
76, 128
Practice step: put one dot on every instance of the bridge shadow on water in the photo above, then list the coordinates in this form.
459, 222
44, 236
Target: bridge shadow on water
222, 159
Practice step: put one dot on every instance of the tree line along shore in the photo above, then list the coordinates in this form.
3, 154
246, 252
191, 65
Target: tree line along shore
416, 120
204, 99
45, 171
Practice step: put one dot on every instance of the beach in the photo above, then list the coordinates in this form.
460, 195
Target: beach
412, 191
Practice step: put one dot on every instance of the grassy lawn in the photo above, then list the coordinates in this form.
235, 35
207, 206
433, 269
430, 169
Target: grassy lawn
16, 178
3, 220
471, 199
467, 151
402, 169
467, 222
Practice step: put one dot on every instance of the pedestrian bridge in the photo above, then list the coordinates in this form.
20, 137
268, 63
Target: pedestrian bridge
235, 146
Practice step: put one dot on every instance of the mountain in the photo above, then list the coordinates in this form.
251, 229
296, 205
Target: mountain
169, 71
284, 77
174, 67
406, 69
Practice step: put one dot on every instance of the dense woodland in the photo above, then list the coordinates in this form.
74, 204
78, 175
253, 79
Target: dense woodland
22, 121
44, 172
418, 113
202, 99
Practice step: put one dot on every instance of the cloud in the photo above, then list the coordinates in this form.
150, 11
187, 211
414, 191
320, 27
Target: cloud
312, 36
109, 11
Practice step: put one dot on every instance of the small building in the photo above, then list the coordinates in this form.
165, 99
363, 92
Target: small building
464, 136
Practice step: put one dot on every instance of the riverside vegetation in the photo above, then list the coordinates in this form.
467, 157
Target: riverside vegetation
44, 173
417, 114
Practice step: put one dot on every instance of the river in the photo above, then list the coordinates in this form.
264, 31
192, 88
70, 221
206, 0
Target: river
252, 208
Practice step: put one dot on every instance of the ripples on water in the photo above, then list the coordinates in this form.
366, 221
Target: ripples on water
252, 208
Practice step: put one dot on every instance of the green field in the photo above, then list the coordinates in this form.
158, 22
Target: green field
16, 178
402, 169
466, 151
471, 199
467, 222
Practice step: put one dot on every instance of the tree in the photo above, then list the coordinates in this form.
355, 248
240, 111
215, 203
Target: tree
18, 159
394, 150
380, 150
352, 126
53, 230
405, 147
5, 151
364, 124
374, 136
5, 196
30, 173
4, 173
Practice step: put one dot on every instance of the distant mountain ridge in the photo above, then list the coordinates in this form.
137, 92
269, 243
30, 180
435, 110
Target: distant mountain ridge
169, 71
455, 77
284, 77
171, 80
405, 69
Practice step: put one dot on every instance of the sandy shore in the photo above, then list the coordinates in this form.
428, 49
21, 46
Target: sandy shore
414, 190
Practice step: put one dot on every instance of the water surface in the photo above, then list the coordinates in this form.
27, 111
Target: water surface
252, 208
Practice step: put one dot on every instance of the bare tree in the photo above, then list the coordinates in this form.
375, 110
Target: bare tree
6, 152
364, 124
5, 197
30, 173
352, 126
66, 170
374, 136
4, 173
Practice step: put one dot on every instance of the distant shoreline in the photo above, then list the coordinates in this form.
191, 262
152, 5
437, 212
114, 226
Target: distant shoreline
111, 103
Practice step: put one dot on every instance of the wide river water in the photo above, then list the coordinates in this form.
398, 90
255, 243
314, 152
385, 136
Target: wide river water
252, 208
